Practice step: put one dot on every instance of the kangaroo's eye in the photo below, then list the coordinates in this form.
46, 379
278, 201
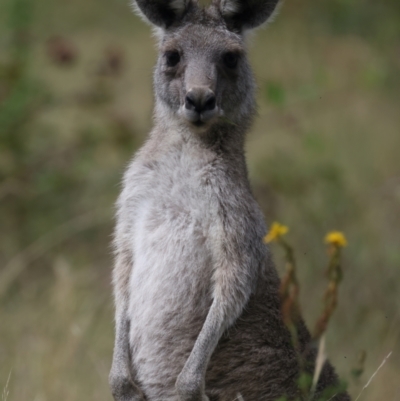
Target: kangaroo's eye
173, 58
230, 60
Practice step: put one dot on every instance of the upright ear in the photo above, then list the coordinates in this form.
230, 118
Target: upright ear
162, 13
246, 14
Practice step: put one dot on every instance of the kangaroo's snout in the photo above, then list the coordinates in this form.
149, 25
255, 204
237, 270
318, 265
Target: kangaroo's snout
200, 105
200, 100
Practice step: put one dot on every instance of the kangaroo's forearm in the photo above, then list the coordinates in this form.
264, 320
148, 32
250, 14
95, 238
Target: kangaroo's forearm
122, 375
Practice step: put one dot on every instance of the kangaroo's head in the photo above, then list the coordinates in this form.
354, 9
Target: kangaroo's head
203, 77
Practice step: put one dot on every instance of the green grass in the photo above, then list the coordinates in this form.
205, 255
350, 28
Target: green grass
323, 154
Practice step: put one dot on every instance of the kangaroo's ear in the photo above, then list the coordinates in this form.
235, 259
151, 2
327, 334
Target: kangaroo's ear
246, 14
162, 13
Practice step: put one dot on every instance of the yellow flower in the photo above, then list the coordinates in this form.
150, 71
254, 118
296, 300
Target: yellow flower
276, 231
336, 238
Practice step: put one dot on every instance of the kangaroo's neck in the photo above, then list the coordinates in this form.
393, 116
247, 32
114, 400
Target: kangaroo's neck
223, 143
222, 138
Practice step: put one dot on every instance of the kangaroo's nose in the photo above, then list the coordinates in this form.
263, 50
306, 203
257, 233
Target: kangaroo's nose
200, 100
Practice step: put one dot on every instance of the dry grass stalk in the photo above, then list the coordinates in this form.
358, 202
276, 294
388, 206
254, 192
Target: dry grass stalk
6, 391
319, 364
332, 397
374, 374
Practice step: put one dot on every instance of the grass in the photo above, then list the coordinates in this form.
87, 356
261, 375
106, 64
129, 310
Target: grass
323, 154
6, 392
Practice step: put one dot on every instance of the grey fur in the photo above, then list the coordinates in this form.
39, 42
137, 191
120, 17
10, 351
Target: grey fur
197, 306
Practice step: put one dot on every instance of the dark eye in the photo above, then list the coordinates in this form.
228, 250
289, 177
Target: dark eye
173, 58
230, 60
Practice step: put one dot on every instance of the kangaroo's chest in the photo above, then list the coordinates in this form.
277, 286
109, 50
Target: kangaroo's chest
173, 219
170, 238
173, 264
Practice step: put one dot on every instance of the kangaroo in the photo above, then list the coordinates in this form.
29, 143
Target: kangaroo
198, 313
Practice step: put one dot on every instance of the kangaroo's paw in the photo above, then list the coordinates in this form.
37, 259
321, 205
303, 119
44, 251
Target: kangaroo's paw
190, 387
124, 390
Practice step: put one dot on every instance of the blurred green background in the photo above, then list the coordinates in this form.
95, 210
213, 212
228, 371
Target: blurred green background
324, 153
